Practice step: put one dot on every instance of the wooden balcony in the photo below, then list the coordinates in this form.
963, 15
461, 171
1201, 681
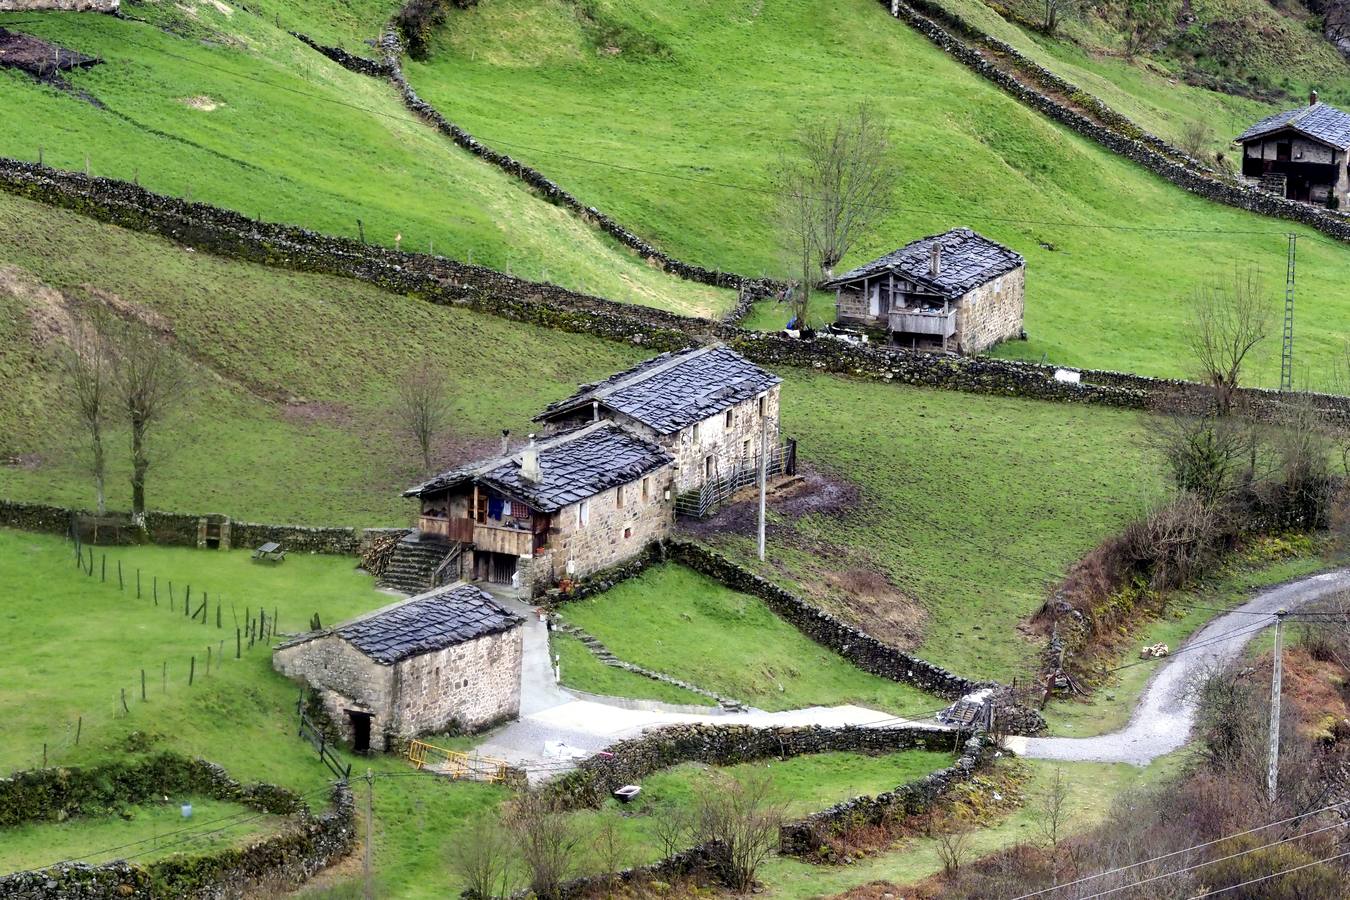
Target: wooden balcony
922, 321
451, 529
512, 541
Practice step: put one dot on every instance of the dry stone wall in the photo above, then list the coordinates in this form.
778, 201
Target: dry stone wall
105, 6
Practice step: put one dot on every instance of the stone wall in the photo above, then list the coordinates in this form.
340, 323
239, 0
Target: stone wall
992, 312
806, 837
614, 533
725, 446
280, 861
343, 678
863, 650
465, 687
1107, 127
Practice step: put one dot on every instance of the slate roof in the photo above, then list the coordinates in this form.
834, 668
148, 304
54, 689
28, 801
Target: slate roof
433, 621
1320, 121
673, 390
573, 466
969, 260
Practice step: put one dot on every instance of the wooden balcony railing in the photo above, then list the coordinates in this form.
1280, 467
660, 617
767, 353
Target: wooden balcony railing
919, 321
511, 541
451, 529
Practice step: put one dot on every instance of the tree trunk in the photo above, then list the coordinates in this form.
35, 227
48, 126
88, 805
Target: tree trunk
98, 471
140, 463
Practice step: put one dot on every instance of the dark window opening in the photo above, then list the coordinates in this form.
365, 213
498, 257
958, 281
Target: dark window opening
1283, 150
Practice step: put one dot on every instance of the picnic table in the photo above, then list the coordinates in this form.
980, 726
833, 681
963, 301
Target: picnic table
270, 552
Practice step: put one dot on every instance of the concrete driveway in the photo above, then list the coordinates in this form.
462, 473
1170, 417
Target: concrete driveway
1163, 720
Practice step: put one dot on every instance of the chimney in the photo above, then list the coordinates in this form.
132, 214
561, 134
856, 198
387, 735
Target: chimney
935, 260
506, 441
1312, 99
595, 410
529, 462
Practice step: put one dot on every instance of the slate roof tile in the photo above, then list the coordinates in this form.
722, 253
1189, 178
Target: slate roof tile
674, 390
969, 259
1320, 121
433, 621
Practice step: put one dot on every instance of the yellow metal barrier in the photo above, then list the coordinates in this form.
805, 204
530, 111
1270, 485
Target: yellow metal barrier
456, 763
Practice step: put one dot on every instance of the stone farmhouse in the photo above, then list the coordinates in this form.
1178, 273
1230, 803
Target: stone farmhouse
954, 291
1301, 154
566, 505
448, 658
603, 480
709, 408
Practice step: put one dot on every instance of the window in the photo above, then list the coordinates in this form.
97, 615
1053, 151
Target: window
646, 489
708, 467
627, 533
694, 432
584, 513
618, 497
763, 405
438, 675
730, 417
745, 448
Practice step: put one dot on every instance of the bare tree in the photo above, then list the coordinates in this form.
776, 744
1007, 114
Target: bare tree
481, 858
610, 846
1053, 811
1227, 320
150, 383
1053, 12
1196, 139
547, 840
672, 827
423, 407
87, 367
832, 194
1144, 22
953, 843
740, 820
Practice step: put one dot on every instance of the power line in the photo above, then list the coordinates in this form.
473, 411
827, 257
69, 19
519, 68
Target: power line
1218, 840
1243, 629
1233, 887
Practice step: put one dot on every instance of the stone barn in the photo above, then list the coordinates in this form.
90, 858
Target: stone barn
1300, 154
709, 407
450, 658
954, 291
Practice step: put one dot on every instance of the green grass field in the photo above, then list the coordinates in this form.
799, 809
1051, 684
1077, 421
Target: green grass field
651, 110
584, 672
684, 624
230, 109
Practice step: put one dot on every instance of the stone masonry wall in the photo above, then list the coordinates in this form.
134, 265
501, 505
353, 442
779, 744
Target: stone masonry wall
469, 685
344, 678
992, 313
863, 650
725, 446
602, 543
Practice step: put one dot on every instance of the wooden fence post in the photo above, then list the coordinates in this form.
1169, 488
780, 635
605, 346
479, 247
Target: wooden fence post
138, 582
164, 678
120, 586
171, 594
217, 613
125, 709
155, 587
208, 660
238, 644
79, 726
103, 568
192, 669
142, 685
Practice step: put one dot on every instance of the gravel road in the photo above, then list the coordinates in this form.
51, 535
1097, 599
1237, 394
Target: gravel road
1163, 719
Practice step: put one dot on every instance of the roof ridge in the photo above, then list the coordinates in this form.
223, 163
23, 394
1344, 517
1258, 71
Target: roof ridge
632, 378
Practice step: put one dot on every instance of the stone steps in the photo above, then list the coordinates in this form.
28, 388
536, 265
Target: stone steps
412, 565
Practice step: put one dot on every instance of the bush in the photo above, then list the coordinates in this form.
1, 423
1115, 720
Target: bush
418, 18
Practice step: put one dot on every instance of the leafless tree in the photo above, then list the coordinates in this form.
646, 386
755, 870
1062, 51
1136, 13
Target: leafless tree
481, 859
423, 407
1053, 12
1144, 22
610, 846
832, 192
1228, 319
150, 383
953, 838
87, 367
547, 840
1196, 139
740, 819
1052, 817
672, 827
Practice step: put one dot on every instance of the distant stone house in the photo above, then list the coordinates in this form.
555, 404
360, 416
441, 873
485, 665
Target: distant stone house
708, 407
953, 291
566, 505
450, 657
1301, 154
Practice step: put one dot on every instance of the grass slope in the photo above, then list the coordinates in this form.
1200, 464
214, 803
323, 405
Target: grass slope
584, 672
230, 109
684, 624
649, 110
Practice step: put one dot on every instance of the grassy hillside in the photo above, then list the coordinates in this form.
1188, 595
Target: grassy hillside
671, 116
218, 103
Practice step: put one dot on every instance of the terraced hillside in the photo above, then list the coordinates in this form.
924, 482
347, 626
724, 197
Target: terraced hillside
671, 115
213, 102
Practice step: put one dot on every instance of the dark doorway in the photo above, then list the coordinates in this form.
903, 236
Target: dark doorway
1282, 151
360, 730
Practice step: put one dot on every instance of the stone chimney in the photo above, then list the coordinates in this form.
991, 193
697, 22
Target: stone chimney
1312, 99
935, 260
506, 441
595, 410
529, 462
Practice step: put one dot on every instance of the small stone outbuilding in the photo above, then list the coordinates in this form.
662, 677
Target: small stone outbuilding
450, 658
952, 291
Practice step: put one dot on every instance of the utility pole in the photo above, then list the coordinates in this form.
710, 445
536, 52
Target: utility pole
370, 815
1276, 677
1287, 351
763, 480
